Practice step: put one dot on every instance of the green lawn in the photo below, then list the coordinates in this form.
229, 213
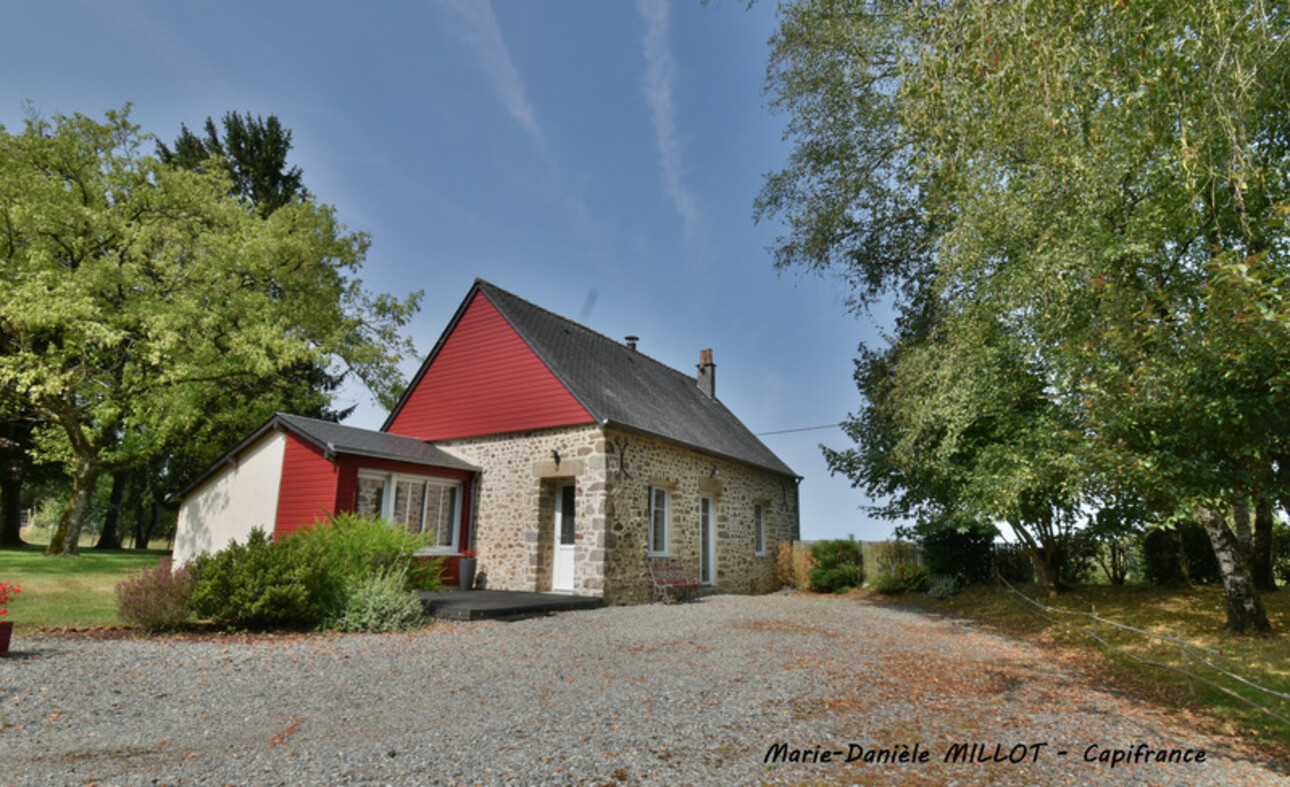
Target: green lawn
59, 591
1195, 615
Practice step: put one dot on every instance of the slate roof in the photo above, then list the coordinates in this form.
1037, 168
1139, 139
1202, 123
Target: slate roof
334, 438
340, 439
625, 388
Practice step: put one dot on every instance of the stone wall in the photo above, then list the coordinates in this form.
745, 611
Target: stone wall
514, 505
514, 522
634, 463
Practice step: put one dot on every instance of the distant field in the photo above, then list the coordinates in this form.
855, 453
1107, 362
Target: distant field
60, 591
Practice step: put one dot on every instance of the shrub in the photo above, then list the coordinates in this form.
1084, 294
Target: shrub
905, 578
376, 603
838, 566
157, 599
258, 585
793, 565
889, 556
1013, 563
943, 586
350, 547
1160, 561
966, 553
304, 579
837, 579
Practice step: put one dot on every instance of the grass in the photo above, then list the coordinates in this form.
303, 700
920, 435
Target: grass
58, 591
1195, 615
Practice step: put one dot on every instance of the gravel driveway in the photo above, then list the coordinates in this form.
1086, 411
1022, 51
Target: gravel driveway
698, 693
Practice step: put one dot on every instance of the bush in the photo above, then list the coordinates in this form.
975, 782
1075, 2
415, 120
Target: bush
157, 599
349, 547
1198, 558
793, 565
905, 578
838, 579
943, 586
306, 578
967, 553
1013, 563
889, 556
258, 585
838, 566
376, 603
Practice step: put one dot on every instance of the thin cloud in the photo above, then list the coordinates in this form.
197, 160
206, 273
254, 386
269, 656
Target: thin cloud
660, 79
479, 28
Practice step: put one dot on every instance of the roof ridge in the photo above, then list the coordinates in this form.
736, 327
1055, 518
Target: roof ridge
621, 347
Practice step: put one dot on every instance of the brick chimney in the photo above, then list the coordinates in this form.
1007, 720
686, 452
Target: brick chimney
707, 377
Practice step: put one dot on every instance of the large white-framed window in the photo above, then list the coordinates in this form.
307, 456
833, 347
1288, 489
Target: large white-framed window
660, 521
421, 504
759, 530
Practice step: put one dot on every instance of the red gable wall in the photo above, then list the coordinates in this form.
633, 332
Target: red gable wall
309, 484
485, 380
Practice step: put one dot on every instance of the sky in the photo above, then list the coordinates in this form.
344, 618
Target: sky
599, 159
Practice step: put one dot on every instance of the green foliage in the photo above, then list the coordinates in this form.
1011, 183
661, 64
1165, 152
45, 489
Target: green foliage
1198, 560
838, 566
253, 154
348, 547
139, 295
310, 576
942, 586
1013, 563
898, 567
376, 603
258, 585
1281, 552
1078, 210
157, 599
905, 578
967, 553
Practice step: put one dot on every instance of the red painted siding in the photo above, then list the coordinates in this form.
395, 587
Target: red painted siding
308, 488
485, 380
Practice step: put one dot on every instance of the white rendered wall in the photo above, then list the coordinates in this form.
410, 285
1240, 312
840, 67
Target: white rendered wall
229, 504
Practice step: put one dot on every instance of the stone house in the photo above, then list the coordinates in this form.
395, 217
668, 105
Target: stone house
567, 461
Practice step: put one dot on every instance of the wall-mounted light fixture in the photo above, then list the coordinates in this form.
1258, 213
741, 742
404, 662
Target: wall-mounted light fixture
556, 456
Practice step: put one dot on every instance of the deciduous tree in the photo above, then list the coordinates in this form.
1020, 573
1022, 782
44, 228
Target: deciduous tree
138, 292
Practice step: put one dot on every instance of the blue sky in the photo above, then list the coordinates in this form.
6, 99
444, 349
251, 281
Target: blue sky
597, 158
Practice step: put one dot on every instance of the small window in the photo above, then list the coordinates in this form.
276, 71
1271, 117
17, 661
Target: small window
759, 530
659, 521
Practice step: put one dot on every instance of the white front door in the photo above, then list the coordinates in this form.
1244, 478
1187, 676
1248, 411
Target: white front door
707, 542
565, 527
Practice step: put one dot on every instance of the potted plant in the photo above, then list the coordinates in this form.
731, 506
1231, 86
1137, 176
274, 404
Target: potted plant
7, 589
466, 570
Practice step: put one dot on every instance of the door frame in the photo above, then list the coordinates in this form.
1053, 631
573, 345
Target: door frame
708, 545
560, 583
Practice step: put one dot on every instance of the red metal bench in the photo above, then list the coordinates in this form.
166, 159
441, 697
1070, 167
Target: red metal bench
669, 578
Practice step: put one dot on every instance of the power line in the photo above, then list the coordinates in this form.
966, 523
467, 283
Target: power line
802, 429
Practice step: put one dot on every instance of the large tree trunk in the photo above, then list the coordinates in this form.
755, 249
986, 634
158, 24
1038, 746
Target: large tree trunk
11, 510
1245, 613
111, 536
1172, 570
67, 536
1048, 568
1261, 564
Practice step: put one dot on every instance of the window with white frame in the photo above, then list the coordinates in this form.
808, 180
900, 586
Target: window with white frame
423, 505
759, 530
659, 521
